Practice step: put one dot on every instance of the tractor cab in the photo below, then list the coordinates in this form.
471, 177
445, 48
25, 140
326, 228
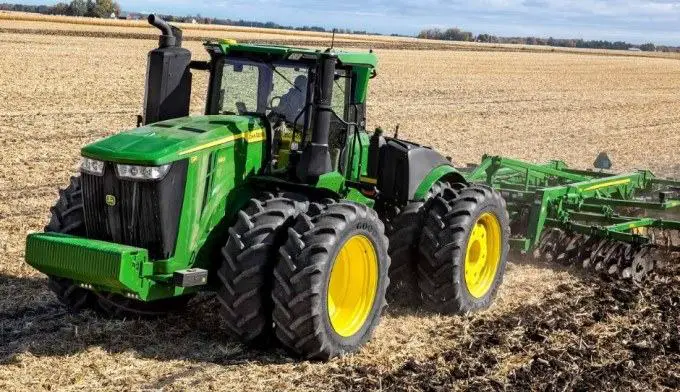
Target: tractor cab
285, 87
311, 106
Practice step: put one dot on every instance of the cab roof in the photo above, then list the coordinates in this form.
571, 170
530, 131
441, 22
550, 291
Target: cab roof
364, 59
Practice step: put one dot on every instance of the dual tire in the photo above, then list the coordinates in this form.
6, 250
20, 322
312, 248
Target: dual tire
248, 260
463, 248
312, 275
452, 247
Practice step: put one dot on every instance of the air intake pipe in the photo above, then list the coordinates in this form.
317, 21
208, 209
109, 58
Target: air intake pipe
168, 76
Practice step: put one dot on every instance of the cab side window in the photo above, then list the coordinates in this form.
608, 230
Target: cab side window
239, 89
340, 95
338, 130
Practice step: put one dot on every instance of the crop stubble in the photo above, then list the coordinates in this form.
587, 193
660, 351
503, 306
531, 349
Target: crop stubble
548, 327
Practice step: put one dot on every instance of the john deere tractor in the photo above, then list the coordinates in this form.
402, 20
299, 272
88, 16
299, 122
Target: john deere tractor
277, 199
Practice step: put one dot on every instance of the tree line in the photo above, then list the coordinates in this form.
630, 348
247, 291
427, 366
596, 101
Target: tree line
92, 8
456, 34
248, 23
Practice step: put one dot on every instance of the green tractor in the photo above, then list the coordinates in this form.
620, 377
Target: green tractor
277, 200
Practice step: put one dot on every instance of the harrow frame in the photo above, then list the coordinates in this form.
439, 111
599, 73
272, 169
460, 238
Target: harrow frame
587, 202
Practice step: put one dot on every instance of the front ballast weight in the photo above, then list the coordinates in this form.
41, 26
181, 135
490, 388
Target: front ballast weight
614, 224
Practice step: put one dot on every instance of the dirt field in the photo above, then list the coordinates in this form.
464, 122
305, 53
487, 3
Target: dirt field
550, 329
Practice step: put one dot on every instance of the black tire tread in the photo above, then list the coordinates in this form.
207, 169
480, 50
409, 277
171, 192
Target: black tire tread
442, 247
67, 217
248, 259
73, 297
403, 228
298, 277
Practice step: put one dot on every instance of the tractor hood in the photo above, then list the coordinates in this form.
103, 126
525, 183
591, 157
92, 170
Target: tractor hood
171, 140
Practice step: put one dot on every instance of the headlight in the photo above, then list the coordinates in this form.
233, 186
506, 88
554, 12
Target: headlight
133, 172
92, 166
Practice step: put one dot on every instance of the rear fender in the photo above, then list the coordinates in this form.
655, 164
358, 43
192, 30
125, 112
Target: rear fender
444, 173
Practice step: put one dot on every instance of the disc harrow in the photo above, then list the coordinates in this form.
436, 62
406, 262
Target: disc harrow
607, 258
614, 225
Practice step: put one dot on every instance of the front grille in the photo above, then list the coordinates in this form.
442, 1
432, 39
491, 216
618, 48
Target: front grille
144, 214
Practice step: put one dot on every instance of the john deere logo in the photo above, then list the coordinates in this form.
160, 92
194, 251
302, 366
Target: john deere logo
111, 200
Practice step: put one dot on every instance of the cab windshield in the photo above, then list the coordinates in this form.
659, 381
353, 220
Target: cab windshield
271, 89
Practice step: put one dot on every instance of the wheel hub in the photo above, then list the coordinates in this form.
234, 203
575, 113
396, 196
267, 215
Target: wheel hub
483, 255
352, 285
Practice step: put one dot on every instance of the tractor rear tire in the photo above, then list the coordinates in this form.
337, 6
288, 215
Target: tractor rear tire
403, 231
463, 248
248, 260
403, 227
67, 217
330, 280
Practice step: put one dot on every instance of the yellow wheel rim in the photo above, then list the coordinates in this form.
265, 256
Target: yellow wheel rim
352, 285
483, 255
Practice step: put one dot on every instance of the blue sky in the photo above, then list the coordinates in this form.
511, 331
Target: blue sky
634, 21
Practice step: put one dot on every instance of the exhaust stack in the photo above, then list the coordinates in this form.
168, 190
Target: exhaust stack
171, 35
168, 77
316, 158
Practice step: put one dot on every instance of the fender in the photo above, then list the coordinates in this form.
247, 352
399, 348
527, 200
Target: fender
408, 170
442, 173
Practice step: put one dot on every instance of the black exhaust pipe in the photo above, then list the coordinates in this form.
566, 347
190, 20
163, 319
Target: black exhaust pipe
171, 35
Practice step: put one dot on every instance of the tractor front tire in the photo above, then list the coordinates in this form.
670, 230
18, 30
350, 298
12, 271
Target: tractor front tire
330, 280
67, 217
463, 247
70, 295
248, 260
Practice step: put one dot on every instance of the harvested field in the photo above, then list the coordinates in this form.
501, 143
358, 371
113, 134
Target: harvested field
550, 329
18, 22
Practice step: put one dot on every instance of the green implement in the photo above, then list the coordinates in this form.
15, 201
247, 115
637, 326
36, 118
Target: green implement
610, 222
